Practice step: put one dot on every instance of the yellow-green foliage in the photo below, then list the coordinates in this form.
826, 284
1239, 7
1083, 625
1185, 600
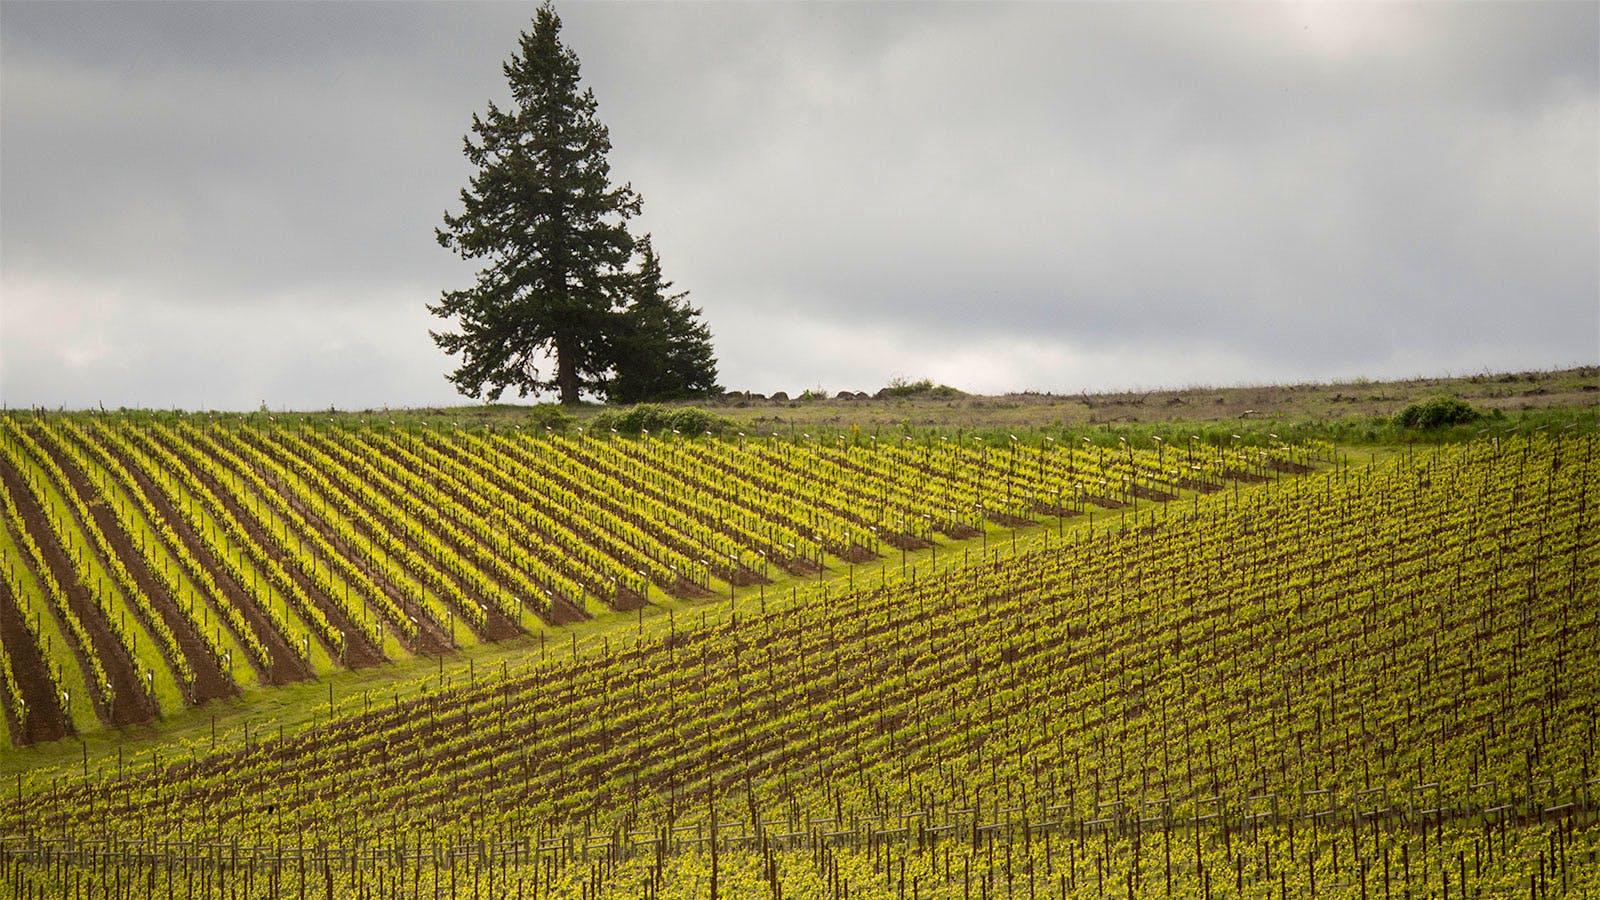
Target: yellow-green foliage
1364, 681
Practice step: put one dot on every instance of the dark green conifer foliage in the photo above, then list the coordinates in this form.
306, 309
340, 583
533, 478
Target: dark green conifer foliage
543, 215
662, 349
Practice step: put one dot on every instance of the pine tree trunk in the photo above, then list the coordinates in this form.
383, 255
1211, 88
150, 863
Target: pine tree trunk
566, 375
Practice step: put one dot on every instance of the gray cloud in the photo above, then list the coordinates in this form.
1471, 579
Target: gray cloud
1033, 196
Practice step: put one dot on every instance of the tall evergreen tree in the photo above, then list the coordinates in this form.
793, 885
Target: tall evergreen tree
662, 350
552, 229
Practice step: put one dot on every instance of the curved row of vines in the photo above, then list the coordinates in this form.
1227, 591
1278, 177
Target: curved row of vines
150, 564
1365, 682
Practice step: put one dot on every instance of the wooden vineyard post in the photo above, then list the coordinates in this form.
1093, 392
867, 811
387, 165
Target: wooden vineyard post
711, 795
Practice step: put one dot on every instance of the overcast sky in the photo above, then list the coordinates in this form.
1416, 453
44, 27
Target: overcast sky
216, 206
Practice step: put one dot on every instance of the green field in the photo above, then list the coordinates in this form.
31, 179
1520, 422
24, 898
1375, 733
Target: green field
444, 655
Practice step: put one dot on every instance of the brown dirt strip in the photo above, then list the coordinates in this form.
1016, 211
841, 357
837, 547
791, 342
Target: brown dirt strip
682, 588
549, 617
903, 541
745, 576
285, 665
1293, 468
765, 484
685, 589
131, 705
857, 554
497, 626
625, 600
551, 550
561, 715
1054, 511
431, 639
1145, 493
359, 652
1245, 476
209, 682
44, 721
425, 731
1013, 654
628, 601
563, 612
798, 566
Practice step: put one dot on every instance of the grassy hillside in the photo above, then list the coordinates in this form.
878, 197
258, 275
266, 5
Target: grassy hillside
1376, 679
1348, 412
1351, 402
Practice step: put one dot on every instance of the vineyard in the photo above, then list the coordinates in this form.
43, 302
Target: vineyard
151, 565
1260, 672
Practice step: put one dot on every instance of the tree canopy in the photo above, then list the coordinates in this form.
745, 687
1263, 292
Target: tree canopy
554, 305
661, 348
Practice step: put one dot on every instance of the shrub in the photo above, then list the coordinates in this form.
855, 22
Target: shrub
901, 388
651, 417
691, 420
1440, 412
551, 416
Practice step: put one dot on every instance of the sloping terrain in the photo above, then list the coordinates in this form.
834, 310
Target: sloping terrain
153, 563
1367, 681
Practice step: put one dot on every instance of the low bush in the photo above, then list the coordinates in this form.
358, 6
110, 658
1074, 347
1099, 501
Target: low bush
1440, 412
551, 416
652, 417
901, 388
